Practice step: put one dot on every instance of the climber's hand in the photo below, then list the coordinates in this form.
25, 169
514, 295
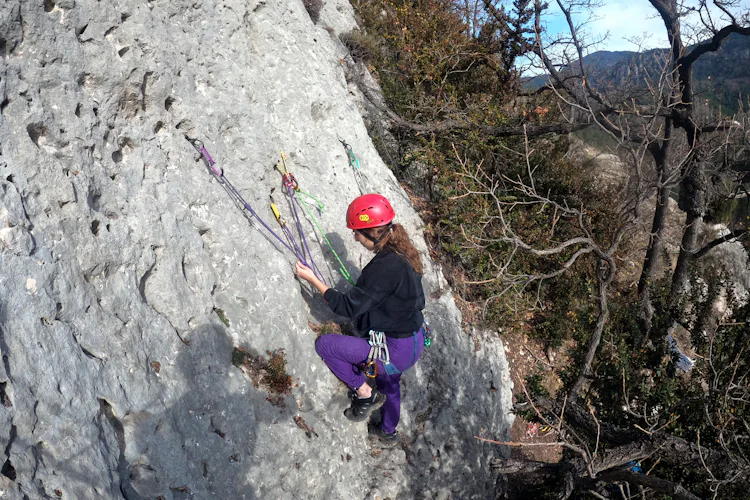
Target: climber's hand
304, 272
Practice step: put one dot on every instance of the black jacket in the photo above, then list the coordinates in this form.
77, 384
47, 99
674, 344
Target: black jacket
388, 297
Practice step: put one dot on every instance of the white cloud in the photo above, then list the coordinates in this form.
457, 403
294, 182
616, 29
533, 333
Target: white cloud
624, 21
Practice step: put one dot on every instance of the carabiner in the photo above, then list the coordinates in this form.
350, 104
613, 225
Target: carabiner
290, 182
197, 144
371, 369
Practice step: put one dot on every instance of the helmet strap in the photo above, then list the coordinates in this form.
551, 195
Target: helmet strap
377, 240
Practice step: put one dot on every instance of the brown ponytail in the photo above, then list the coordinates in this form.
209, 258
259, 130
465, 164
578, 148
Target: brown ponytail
397, 240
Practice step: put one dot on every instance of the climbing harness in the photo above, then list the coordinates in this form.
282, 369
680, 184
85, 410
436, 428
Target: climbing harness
303, 199
379, 352
356, 168
218, 173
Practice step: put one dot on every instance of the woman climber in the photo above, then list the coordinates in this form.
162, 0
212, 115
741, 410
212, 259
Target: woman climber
387, 302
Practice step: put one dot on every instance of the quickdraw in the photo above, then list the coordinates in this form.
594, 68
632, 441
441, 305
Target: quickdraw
370, 369
356, 168
353, 161
291, 185
378, 347
300, 197
378, 352
218, 174
288, 179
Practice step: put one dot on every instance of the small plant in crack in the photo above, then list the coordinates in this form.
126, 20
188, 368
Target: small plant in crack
269, 373
222, 316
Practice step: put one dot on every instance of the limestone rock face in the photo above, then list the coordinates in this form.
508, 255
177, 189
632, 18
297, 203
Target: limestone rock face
128, 275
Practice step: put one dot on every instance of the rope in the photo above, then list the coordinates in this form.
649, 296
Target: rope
342, 268
234, 194
285, 229
302, 235
320, 205
356, 168
292, 186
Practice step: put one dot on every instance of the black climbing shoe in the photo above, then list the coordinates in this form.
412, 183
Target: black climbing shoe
376, 434
360, 409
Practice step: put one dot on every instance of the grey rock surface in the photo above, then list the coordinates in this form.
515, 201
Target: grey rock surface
128, 276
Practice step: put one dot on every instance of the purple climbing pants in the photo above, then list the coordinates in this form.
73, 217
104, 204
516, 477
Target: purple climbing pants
344, 355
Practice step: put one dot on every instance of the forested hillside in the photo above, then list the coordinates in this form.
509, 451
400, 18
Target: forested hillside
721, 78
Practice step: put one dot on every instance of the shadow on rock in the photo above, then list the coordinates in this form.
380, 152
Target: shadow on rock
337, 242
202, 444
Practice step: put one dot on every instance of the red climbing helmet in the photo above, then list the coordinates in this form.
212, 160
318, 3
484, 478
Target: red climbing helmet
369, 210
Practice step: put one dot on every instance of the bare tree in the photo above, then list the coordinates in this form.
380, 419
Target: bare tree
603, 452
479, 183
665, 126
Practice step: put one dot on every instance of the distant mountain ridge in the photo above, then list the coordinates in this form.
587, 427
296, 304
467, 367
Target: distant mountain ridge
721, 79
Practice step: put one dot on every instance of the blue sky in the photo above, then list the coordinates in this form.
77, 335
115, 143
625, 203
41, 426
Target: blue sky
623, 20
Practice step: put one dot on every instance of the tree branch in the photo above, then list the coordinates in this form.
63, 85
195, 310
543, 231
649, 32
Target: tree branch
450, 124
713, 44
737, 233
677, 491
604, 278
